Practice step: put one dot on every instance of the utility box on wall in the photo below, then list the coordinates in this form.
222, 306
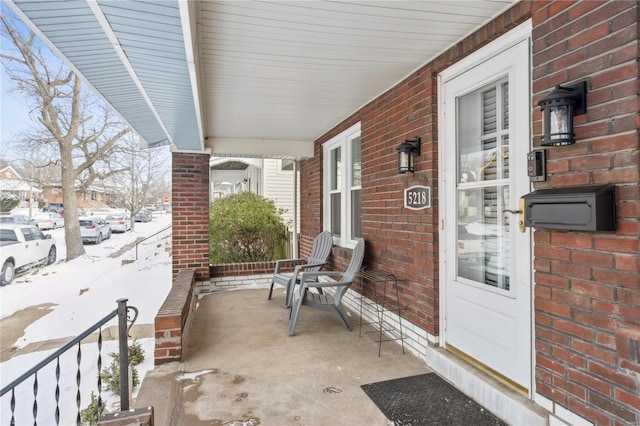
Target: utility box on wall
587, 208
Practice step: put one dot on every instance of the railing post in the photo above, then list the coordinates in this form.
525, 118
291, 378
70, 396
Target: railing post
124, 354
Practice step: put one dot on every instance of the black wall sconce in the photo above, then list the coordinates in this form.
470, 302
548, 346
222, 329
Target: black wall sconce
558, 109
407, 150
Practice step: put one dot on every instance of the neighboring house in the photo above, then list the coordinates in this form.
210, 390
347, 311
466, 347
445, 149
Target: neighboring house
12, 182
541, 326
233, 175
96, 196
278, 185
269, 178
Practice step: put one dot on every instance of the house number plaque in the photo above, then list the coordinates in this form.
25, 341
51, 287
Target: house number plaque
417, 197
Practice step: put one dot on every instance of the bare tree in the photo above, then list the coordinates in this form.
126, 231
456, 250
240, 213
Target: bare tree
145, 168
76, 132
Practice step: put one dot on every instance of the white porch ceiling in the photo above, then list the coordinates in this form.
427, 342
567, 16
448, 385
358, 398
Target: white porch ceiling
247, 78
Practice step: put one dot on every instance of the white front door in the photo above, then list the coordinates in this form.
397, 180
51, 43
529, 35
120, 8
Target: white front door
486, 266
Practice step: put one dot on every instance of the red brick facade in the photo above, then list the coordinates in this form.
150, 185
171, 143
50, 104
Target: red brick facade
190, 205
586, 284
399, 240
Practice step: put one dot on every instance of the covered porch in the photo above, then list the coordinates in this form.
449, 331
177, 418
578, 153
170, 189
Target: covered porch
337, 87
239, 366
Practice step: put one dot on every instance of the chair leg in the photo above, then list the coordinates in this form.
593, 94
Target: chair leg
289, 296
293, 317
343, 316
271, 290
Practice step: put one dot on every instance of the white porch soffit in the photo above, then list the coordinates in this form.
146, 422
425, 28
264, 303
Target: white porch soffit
249, 78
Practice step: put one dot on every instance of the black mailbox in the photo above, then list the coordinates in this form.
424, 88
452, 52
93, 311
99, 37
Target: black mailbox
587, 208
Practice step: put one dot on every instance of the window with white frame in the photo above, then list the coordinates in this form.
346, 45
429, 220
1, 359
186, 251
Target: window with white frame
342, 183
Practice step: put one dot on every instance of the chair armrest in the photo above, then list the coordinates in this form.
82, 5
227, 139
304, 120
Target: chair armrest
308, 265
324, 284
315, 276
286, 262
305, 285
299, 268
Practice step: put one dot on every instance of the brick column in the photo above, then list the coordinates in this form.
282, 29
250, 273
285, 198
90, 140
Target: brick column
190, 206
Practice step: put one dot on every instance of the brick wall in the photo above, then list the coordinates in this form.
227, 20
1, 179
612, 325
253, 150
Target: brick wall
233, 275
399, 240
587, 294
310, 198
190, 206
173, 320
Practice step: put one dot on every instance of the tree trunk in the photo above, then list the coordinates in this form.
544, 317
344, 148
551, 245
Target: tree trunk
72, 236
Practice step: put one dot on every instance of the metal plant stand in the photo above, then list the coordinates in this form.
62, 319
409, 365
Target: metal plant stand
375, 283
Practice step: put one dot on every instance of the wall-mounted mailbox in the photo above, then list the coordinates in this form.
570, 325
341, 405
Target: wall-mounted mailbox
587, 208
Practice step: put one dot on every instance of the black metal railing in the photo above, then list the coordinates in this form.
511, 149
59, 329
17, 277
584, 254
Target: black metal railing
151, 236
122, 313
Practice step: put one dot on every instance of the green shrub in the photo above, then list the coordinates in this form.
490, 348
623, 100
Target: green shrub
111, 375
8, 202
90, 415
135, 353
244, 227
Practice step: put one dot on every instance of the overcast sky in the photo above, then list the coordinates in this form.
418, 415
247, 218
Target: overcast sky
14, 114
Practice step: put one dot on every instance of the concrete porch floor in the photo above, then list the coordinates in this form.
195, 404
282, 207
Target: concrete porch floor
241, 368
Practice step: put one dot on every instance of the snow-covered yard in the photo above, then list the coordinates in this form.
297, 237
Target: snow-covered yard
82, 292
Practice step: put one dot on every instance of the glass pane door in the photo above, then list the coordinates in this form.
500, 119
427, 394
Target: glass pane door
483, 186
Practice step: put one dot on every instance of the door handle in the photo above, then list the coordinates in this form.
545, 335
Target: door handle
520, 213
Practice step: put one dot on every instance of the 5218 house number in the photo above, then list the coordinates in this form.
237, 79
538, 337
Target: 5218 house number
417, 197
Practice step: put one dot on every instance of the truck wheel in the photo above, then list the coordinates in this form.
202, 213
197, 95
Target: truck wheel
8, 273
52, 255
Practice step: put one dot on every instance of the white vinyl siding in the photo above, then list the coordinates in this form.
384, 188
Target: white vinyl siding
278, 186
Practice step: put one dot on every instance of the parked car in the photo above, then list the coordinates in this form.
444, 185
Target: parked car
17, 219
118, 222
23, 246
49, 220
144, 215
54, 208
94, 230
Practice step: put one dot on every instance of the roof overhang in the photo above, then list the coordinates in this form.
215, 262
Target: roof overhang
247, 78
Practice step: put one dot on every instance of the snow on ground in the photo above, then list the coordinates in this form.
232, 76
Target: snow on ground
84, 291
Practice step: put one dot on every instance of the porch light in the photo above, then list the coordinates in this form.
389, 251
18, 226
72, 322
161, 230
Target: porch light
407, 150
558, 109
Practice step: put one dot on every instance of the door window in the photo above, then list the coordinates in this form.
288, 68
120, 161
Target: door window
483, 185
26, 232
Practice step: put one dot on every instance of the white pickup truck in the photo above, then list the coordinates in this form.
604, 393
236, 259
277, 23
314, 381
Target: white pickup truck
22, 247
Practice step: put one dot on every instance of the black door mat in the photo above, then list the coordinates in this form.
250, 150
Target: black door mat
427, 399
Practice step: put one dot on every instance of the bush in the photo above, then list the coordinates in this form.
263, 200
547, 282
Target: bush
90, 415
244, 227
111, 375
8, 202
135, 353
